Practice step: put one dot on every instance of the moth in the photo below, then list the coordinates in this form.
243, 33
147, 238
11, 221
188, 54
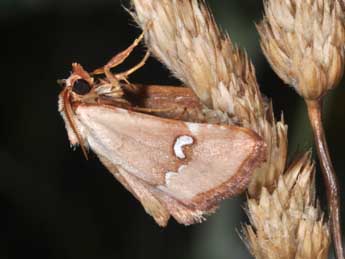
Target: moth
173, 167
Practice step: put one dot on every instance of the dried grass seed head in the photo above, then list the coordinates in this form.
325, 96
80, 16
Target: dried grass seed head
288, 223
184, 36
304, 43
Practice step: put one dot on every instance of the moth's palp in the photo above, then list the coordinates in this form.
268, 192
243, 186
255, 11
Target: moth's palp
61, 82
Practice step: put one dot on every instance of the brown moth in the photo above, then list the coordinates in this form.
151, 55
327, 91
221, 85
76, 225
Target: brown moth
173, 167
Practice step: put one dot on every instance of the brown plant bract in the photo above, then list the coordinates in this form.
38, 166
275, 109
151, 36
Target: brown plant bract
183, 35
304, 43
285, 223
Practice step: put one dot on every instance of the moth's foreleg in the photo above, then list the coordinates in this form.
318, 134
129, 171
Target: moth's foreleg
118, 58
123, 75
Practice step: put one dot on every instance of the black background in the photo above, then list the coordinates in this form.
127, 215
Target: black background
54, 203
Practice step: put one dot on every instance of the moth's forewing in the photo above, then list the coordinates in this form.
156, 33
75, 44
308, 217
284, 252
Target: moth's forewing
163, 101
169, 165
141, 191
169, 102
155, 202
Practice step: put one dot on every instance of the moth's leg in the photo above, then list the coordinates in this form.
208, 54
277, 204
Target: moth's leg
113, 81
116, 78
124, 75
119, 58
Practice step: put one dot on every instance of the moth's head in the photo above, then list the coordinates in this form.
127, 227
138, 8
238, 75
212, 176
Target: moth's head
79, 85
82, 88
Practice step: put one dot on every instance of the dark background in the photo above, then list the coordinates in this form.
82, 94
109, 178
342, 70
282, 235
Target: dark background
54, 203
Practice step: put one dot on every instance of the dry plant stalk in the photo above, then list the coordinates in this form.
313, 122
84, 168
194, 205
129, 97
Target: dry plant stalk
304, 43
183, 35
286, 223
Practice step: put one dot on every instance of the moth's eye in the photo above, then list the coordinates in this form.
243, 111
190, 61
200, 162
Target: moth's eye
81, 87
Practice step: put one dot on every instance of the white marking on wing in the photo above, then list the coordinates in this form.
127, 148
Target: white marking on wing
193, 127
169, 175
179, 143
